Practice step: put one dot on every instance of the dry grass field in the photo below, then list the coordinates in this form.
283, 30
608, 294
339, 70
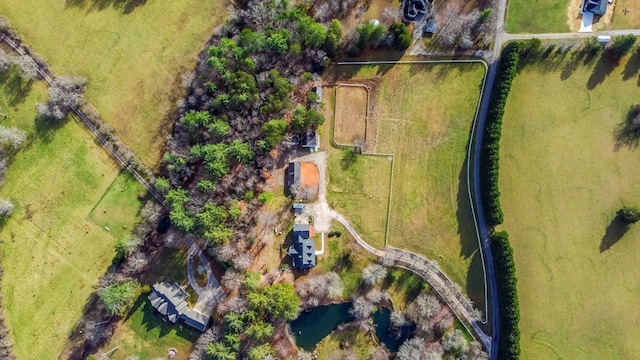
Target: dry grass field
350, 124
132, 55
563, 175
424, 114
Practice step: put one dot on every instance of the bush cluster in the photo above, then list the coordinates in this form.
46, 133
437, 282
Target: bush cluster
509, 343
490, 153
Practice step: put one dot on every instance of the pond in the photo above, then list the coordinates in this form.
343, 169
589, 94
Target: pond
314, 325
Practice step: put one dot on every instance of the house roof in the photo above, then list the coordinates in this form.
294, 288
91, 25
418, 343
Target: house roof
303, 250
598, 7
298, 206
171, 301
293, 173
414, 10
311, 140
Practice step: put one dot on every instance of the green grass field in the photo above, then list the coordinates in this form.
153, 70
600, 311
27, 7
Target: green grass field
132, 56
119, 208
352, 191
51, 255
542, 16
563, 176
424, 116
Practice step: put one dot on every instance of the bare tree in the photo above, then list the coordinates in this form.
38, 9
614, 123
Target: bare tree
373, 274
6, 208
151, 212
5, 61
242, 261
412, 349
232, 279
454, 341
397, 318
11, 137
225, 252
28, 69
66, 93
361, 308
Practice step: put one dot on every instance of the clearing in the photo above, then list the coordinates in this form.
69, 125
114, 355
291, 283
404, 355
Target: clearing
51, 255
132, 52
422, 113
542, 16
119, 209
352, 102
563, 176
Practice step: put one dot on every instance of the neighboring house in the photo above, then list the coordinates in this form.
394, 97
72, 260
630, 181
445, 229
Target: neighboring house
293, 174
303, 250
597, 7
414, 10
171, 301
311, 141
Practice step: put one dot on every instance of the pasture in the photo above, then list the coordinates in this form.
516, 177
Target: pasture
133, 53
422, 114
51, 255
543, 16
565, 171
118, 211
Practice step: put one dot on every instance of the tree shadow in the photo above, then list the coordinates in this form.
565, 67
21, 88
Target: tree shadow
464, 215
15, 87
45, 127
475, 282
627, 133
615, 231
604, 67
126, 6
632, 67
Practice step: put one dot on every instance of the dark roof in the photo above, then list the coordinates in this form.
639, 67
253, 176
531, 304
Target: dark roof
414, 10
430, 27
293, 174
598, 7
303, 250
171, 301
310, 139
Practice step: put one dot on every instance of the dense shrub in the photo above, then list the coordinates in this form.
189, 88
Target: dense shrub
490, 153
629, 214
509, 343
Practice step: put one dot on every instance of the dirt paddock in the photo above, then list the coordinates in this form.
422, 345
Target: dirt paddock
351, 111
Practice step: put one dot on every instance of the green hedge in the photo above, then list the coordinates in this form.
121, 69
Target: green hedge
490, 153
509, 343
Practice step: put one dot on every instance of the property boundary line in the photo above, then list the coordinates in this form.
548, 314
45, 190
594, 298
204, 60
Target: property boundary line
469, 151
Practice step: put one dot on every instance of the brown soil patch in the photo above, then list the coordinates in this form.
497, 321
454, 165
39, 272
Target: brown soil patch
574, 17
309, 176
351, 115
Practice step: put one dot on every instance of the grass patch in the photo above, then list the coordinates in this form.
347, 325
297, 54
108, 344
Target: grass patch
132, 56
119, 208
51, 255
403, 286
145, 334
424, 115
542, 16
356, 191
361, 345
563, 176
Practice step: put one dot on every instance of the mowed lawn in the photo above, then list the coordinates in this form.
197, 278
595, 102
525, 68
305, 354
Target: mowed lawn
541, 16
132, 56
118, 211
424, 116
562, 179
51, 255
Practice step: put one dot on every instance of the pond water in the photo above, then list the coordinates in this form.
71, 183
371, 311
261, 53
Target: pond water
314, 325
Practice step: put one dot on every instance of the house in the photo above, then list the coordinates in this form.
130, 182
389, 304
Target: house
303, 250
171, 302
311, 141
293, 174
297, 208
597, 7
414, 10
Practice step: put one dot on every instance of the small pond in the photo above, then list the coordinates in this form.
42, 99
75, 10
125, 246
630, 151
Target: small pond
314, 325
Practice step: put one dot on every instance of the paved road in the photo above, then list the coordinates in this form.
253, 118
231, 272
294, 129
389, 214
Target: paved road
209, 294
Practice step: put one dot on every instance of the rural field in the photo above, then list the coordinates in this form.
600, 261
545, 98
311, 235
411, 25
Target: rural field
133, 53
564, 174
423, 114
52, 255
543, 16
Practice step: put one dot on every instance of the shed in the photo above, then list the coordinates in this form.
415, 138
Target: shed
311, 141
318, 91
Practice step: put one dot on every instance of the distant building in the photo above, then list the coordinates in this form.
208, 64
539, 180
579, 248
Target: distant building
171, 302
294, 173
303, 250
311, 141
597, 7
374, 22
414, 10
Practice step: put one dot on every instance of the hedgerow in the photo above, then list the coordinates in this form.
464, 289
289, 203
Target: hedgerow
490, 153
509, 343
